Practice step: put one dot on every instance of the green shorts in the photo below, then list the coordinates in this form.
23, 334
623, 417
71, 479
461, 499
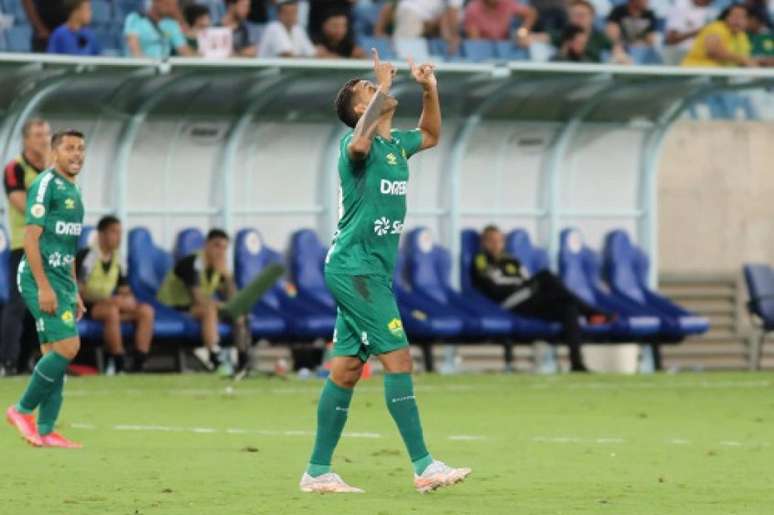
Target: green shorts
367, 321
51, 328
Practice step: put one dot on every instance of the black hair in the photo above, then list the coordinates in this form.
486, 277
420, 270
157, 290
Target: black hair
490, 228
106, 222
217, 234
59, 136
29, 124
193, 12
569, 33
344, 103
727, 11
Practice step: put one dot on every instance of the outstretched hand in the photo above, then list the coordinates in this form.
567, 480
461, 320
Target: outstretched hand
424, 74
384, 71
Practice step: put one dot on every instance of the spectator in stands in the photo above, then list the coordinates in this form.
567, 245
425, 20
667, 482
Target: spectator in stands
19, 175
502, 278
199, 19
573, 46
336, 41
761, 9
761, 39
321, 10
422, 18
259, 11
235, 19
683, 22
156, 33
75, 37
552, 15
493, 19
581, 13
109, 299
723, 42
284, 37
632, 24
44, 16
197, 284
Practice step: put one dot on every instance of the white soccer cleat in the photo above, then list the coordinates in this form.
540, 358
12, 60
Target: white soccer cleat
329, 483
438, 475
203, 355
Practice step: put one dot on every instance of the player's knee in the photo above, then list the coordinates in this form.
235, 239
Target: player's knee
68, 348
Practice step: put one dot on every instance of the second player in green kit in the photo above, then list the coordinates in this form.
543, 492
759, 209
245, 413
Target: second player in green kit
373, 177
46, 281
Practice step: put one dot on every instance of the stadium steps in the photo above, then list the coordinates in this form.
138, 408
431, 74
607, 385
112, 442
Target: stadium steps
720, 298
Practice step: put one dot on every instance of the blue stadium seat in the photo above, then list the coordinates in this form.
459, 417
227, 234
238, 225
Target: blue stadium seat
16, 9
382, 45
509, 51
148, 264
579, 268
304, 321
626, 270
307, 262
439, 48
427, 269
524, 329
187, 242
478, 50
365, 16
19, 38
86, 239
3, 42
5, 256
645, 55
102, 12
519, 245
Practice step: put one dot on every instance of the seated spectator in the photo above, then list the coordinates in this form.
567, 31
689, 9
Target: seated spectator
422, 18
723, 42
198, 284
284, 37
761, 9
336, 41
632, 24
320, 10
572, 46
684, 21
581, 13
761, 39
502, 278
493, 19
259, 11
156, 33
198, 18
44, 17
75, 37
236, 19
108, 298
552, 15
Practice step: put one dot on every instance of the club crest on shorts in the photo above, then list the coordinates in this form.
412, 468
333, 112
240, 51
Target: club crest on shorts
38, 210
396, 327
68, 318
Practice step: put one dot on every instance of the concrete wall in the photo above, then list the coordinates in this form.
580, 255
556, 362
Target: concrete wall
716, 190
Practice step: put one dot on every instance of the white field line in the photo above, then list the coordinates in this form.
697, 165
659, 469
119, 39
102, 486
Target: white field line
615, 440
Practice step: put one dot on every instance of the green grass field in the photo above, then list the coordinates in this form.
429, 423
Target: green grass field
686, 444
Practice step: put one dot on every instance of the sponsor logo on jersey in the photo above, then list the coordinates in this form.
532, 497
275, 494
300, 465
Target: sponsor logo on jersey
69, 203
68, 228
38, 210
57, 260
393, 187
383, 226
395, 327
68, 318
391, 159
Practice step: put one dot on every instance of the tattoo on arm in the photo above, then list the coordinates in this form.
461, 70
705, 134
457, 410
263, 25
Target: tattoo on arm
367, 124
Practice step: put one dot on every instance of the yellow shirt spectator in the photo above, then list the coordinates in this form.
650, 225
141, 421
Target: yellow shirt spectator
735, 45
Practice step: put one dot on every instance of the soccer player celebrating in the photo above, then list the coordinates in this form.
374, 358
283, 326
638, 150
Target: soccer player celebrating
373, 173
46, 280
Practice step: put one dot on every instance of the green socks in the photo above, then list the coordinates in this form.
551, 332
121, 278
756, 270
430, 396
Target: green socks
331, 416
399, 395
48, 372
49, 409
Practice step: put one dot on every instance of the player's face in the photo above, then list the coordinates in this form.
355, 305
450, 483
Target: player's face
69, 155
110, 238
364, 92
216, 250
38, 139
493, 243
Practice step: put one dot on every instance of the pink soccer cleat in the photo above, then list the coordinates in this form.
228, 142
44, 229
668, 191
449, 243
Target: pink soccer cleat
438, 475
329, 483
25, 424
54, 439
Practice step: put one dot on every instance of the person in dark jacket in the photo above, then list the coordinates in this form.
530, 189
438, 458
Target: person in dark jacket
506, 281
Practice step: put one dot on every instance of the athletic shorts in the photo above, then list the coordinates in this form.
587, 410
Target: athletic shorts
367, 320
51, 328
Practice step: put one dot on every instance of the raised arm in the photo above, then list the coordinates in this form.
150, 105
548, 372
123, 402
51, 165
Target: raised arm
430, 119
381, 102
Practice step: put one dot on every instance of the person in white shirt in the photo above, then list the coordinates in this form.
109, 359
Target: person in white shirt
684, 21
423, 18
285, 37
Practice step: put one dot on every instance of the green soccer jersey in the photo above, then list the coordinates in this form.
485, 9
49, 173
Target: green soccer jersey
54, 203
372, 205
